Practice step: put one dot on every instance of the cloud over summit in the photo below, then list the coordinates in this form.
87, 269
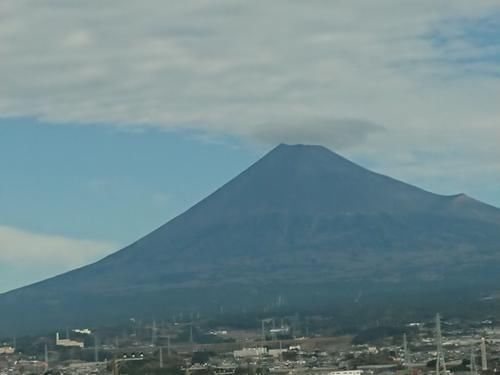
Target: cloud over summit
266, 71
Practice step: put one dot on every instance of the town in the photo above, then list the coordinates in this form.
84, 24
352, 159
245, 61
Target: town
272, 345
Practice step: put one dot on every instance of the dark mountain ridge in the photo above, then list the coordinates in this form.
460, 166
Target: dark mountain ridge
301, 217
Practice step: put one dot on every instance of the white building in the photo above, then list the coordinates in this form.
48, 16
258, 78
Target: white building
279, 331
67, 342
7, 350
346, 372
249, 352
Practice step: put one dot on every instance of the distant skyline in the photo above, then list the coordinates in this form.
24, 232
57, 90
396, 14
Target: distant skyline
109, 128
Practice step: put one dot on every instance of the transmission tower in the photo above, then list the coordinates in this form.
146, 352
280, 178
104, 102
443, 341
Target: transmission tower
440, 362
406, 354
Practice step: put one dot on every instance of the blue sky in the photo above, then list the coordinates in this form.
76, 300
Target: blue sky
101, 184
108, 128
78, 180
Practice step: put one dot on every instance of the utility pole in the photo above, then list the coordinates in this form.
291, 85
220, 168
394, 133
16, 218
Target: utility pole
263, 334
161, 356
116, 369
46, 355
473, 370
153, 333
296, 324
484, 360
168, 345
273, 334
96, 348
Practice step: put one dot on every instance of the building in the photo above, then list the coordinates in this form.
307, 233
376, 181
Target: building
276, 353
7, 350
67, 342
346, 372
249, 352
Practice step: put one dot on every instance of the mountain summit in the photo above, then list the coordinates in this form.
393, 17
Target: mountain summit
303, 224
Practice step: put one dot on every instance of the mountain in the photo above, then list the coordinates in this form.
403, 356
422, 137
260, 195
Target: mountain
302, 228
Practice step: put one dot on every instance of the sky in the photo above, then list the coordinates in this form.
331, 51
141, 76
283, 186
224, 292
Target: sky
117, 116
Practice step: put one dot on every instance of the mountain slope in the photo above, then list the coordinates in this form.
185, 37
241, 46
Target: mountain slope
301, 218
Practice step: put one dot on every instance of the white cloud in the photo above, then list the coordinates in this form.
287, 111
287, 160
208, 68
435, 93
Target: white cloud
41, 255
263, 71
